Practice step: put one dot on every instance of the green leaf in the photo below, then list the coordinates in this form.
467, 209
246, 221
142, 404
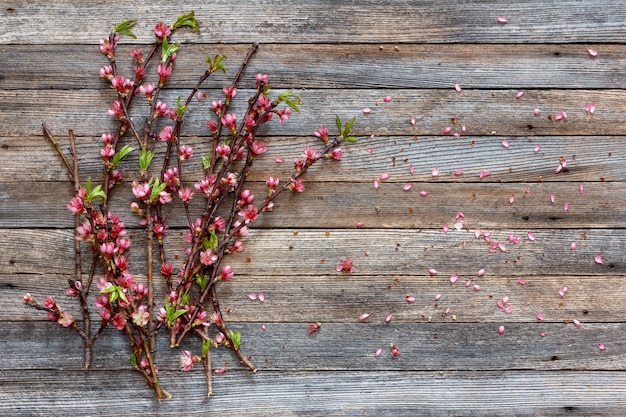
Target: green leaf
213, 240
290, 99
206, 161
168, 49
121, 154
92, 194
145, 158
115, 292
235, 336
216, 64
206, 346
133, 360
157, 187
187, 19
124, 27
339, 124
180, 109
202, 281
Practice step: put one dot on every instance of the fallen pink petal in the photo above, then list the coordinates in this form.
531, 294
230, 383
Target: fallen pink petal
376, 183
505, 144
522, 281
592, 52
384, 176
424, 193
511, 199
590, 108
367, 110
387, 99
563, 291
445, 227
598, 259
601, 346
454, 278
531, 236
566, 207
540, 316
458, 172
537, 148
519, 94
576, 323
264, 327
447, 130
500, 330
572, 246
279, 160
537, 111
411, 169
437, 297
502, 19
508, 309
407, 186
413, 120
480, 272
458, 215
432, 271
409, 299
388, 318
378, 352
360, 224
552, 199
261, 297
252, 296
477, 287
468, 282
457, 87
435, 172
560, 115
364, 316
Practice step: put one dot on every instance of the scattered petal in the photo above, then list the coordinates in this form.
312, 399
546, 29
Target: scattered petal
484, 173
424, 193
537, 147
477, 287
453, 278
519, 94
511, 198
437, 297
468, 282
364, 316
370, 150
552, 198
445, 228
384, 176
252, 296
508, 309
537, 111
601, 346
376, 183
463, 128
480, 272
522, 281
590, 108
458, 215
360, 224
264, 327
447, 130
378, 352
576, 323
502, 19
435, 172
413, 120
581, 188
387, 99
367, 110
411, 169
458, 172
409, 299
500, 330
279, 160
457, 87
563, 291
592, 52
432, 271
477, 233
598, 259
505, 144
199, 96
407, 186
560, 115
572, 245
531, 236
565, 207
388, 318
261, 297
540, 316
543, 334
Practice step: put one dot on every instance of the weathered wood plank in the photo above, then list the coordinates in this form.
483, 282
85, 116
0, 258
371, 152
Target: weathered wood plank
342, 299
28, 159
318, 394
484, 112
339, 66
387, 252
301, 21
343, 204
345, 347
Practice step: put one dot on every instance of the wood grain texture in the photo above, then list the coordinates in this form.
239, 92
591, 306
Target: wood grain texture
30, 159
484, 112
343, 56
389, 393
373, 66
302, 21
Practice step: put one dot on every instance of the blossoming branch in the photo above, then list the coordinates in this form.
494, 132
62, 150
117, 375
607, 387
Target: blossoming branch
146, 120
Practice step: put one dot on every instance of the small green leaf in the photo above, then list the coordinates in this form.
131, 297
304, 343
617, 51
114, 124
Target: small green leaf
92, 194
124, 27
206, 161
168, 49
213, 240
206, 346
133, 360
145, 158
121, 154
187, 19
180, 108
290, 99
216, 64
235, 336
202, 281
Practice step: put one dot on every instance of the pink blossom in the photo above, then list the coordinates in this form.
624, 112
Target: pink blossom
258, 148
261, 80
296, 185
249, 214
207, 257
160, 109
122, 85
226, 273
187, 360
28, 298
161, 30
167, 133
395, 351
185, 194
336, 154
314, 327
106, 72
345, 265
186, 152
116, 110
141, 316
322, 133
230, 121
283, 114
164, 72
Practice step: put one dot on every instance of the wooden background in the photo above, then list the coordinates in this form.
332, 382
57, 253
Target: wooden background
342, 56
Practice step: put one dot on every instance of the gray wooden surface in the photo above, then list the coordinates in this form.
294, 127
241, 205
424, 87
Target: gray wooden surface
342, 56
